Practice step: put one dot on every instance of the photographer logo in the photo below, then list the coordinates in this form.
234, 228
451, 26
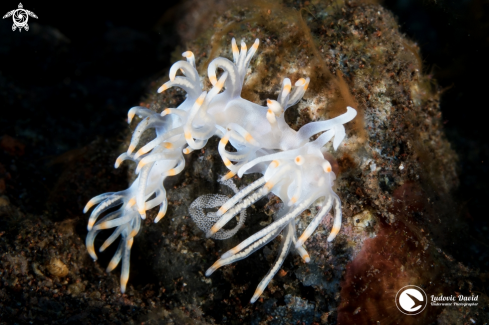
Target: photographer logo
411, 300
20, 17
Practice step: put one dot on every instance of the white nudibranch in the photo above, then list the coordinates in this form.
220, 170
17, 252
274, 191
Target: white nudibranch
292, 167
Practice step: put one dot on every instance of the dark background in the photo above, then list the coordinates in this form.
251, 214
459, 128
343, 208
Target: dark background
72, 77
70, 80
454, 39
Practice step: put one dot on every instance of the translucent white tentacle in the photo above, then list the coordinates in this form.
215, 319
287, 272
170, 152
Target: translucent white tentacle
283, 251
315, 222
312, 128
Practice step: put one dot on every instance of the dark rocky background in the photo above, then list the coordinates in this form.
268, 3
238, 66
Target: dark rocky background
454, 41
67, 83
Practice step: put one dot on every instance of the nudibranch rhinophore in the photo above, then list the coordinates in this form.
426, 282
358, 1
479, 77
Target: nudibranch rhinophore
293, 167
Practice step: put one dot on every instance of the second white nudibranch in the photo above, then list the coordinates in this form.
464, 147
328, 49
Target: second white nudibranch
292, 167
300, 177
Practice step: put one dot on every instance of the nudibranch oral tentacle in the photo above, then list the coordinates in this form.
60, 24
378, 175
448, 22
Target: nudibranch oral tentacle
292, 167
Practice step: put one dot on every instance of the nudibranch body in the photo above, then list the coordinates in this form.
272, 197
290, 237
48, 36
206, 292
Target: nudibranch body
293, 167
300, 177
